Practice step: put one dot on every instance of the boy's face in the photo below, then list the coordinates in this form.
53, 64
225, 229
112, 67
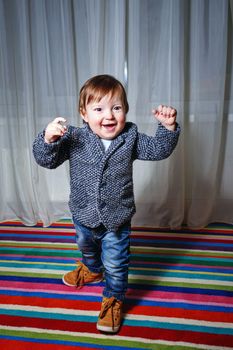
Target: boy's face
106, 117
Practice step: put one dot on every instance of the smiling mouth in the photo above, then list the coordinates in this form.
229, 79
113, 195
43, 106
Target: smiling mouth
109, 126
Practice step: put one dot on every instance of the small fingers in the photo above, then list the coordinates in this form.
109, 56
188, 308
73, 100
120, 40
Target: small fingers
168, 111
172, 111
60, 120
59, 124
165, 111
55, 129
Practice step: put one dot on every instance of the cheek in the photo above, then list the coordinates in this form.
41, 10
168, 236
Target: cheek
94, 124
122, 119
93, 120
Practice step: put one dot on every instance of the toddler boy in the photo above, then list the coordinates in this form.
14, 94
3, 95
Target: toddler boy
101, 156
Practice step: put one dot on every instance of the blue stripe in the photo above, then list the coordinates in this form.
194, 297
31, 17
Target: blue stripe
42, 249
182, 258
47, 295
177, 267
71, 343
53, 240
139, 302
48, 315
32, 279
167, 273
169, 243
38, 266
206, 231
39, 259
184, 275
49, 280
182, 289
180, 242
178, 327
135, 265
133, 323
131, 285
5, 236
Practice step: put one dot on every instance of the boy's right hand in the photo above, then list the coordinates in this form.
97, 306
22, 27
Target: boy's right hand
55, 130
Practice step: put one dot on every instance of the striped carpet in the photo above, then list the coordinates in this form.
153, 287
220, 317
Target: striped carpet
180, 293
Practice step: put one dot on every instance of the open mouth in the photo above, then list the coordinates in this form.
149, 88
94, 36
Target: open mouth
109, 126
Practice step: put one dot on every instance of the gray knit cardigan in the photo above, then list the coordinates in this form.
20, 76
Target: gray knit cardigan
101, 183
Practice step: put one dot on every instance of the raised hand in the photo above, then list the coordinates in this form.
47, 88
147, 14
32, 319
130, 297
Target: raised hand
166, 116
55, 130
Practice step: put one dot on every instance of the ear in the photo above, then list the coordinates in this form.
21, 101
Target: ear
84, 116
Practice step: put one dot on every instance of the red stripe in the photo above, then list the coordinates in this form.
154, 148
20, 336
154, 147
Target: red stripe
59, 231
49, 302
51, 324
177, 335
184, 230
39, 232
142, 332
183, 239
205, 315
214, 230
7, 344
170, 253
38, 246
38, 224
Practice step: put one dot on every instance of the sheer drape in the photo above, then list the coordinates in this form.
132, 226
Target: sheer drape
170, 52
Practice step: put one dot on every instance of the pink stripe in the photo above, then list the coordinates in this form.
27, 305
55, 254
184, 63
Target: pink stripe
57, 292
228, 304
170, 265
45, 287
136, 263
40, 257
180, 296
97, 290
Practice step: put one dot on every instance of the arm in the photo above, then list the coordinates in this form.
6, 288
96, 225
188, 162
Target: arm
51, 147
161, 145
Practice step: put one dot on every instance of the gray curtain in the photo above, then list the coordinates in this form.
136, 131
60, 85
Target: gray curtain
176, 52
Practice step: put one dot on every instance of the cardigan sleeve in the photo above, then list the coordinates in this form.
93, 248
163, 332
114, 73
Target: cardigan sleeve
51, 155
157, 147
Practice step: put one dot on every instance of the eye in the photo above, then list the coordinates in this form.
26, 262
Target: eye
117, 108
97, 109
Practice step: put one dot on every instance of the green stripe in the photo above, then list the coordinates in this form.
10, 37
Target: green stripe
182, 259
178, 252
181, 284
133, 270
36, 252
184, 274
37, 265
75, 338
44, 245
30, 274
135, 273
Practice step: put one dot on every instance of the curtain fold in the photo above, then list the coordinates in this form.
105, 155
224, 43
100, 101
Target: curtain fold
176, 52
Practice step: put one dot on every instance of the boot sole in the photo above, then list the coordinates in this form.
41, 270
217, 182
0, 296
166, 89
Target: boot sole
74, 285
107, 329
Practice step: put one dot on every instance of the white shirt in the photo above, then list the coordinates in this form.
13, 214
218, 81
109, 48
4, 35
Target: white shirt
106, 143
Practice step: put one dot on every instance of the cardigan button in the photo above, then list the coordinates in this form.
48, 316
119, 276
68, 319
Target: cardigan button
102, 205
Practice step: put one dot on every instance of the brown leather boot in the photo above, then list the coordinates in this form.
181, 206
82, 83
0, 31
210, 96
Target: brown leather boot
80, 276
110, 316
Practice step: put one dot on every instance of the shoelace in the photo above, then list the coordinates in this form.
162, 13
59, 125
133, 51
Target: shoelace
110, 303
80, 275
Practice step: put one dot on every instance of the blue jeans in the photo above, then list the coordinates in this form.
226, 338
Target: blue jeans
109, 251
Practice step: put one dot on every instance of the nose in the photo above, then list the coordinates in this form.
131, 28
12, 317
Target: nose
109, 114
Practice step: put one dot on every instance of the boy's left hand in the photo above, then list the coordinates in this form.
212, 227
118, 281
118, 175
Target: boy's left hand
166, 116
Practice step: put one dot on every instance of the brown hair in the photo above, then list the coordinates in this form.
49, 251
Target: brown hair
97, 87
